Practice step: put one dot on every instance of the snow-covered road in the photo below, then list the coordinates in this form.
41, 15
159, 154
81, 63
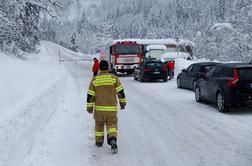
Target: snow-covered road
161, 126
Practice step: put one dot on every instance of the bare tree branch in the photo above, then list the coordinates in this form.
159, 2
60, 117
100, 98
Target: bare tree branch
50, 4
55, 4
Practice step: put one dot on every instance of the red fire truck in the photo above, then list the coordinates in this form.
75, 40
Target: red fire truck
124, 56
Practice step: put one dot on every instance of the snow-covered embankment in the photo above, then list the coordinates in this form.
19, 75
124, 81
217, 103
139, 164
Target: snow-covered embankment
29, 92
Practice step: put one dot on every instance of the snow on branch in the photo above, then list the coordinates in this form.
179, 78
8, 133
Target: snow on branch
47, 6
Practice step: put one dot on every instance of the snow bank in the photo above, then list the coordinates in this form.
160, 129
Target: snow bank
64, 52
174, 55
21, 80
181, 64
29, 90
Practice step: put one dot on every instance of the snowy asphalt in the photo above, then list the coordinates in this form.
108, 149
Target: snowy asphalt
161, 126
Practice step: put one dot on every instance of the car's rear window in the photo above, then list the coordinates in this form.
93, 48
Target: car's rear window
154, 64
245, 73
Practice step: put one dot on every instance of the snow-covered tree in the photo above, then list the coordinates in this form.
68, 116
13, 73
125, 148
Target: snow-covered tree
195, 20
74, 46
20, 22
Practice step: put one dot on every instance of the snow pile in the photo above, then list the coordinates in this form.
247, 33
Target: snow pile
181, 64
28, 91
174, 55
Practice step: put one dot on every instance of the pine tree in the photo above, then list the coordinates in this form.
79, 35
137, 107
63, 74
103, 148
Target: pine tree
20, 23
29, 31
74, 46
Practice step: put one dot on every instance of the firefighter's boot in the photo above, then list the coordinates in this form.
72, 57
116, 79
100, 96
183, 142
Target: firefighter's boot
99, 144
112, 143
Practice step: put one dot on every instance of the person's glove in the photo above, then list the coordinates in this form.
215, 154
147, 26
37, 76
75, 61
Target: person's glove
90, 110
122, 106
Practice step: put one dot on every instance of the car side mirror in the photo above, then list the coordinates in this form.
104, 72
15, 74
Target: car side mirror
184, 70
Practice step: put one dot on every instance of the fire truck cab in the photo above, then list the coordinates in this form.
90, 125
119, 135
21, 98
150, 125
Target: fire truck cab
124, 56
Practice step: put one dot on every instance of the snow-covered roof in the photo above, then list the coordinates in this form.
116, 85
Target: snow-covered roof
156, 47
173, 55
149, 41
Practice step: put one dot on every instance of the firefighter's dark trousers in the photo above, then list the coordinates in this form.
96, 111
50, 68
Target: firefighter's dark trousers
108, 119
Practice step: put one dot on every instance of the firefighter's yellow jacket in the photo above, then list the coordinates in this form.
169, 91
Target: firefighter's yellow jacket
103, 91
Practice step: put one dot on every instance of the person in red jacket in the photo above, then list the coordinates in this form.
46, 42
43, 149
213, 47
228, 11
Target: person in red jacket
170, 66
95, 67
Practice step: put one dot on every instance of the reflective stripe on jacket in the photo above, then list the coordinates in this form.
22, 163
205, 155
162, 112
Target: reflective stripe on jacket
103, 91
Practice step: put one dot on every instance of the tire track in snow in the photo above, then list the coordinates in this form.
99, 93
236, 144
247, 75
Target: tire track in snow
185, 117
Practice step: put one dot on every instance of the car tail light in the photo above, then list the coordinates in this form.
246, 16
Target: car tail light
234, 80
147, 69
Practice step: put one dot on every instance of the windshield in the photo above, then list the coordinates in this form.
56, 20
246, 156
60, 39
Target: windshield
127, 49
155, 53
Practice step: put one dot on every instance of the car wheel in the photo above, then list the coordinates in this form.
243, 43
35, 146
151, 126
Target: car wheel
178, 83
221, 105
198, 95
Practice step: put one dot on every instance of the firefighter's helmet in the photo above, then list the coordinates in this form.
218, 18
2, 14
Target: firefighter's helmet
103, 65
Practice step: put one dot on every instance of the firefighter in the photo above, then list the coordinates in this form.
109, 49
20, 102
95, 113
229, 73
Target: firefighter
95, 67
101, 98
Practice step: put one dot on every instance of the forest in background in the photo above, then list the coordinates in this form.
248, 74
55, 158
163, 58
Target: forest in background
220, 29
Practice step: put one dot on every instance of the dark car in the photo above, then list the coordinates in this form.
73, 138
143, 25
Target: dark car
188, 77
151, 69
227, 85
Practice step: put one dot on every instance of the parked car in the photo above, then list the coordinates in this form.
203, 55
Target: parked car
188, 77
227, 85
151, 69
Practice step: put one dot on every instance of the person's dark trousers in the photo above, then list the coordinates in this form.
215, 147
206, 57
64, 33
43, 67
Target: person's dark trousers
95, 73
168, 74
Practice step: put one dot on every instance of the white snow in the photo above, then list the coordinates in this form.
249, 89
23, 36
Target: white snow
44, 122
149, 41
174, 55
169, 41
222, 25
156, 47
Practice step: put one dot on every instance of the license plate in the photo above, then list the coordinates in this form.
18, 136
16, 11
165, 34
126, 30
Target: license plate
156, 72
127, 67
